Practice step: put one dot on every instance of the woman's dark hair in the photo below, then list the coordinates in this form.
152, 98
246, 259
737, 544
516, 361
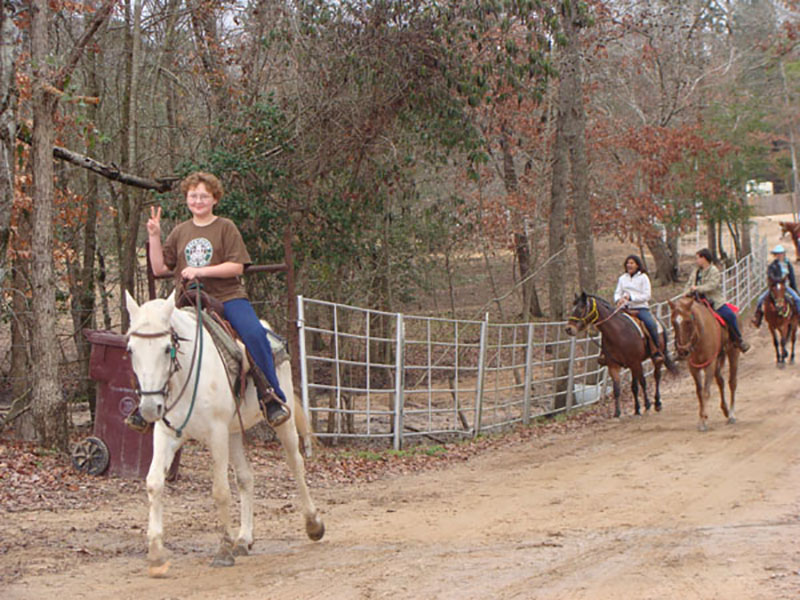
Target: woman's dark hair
637, 260
706, 253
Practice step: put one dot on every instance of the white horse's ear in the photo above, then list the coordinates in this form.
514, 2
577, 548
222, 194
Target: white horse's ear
169, 306
131, 305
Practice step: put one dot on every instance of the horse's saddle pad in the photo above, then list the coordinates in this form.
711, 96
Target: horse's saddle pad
640, 326
231, 349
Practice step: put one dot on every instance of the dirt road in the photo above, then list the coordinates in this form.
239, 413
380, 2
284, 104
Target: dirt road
631, 509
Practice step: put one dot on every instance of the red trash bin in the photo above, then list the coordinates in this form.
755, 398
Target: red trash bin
114, 449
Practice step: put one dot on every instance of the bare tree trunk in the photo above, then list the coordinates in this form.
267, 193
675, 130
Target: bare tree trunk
8, 125
711, 237
792, 146
747, 242
584, 245
559, 195
81, 273
47, 403
101, 284
522, 248
20, 372
559, 188
666, 272
204, 26
130, 201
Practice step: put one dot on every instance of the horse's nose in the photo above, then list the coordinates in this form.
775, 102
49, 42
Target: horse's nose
151, 412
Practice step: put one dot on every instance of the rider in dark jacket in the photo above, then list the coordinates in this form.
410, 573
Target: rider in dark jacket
779, 268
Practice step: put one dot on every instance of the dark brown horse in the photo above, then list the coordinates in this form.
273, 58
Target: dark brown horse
792, 229
701, 338
782, 318
623, 345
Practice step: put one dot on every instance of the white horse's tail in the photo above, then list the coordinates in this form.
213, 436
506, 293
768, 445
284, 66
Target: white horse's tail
303, 426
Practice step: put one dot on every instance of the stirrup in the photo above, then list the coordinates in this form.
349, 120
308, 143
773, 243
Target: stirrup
276, 412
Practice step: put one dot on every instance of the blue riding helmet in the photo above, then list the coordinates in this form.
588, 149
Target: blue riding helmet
779, 249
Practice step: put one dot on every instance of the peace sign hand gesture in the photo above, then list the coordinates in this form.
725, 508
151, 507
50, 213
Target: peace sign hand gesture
154, 222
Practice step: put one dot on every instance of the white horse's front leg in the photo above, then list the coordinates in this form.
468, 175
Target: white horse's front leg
164, 448
244, 481
219, 446
287, 434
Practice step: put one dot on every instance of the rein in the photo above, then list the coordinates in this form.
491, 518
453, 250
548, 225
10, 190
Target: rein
197, 356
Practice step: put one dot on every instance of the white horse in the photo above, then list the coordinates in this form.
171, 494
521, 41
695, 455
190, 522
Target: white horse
196, 401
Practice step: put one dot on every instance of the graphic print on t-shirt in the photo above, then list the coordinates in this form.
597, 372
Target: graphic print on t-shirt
198, 252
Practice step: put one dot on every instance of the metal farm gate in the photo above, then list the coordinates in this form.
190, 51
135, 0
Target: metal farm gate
372, 374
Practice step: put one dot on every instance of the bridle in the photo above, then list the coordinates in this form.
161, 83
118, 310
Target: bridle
592, 315
692, 339
174, 367
687, 348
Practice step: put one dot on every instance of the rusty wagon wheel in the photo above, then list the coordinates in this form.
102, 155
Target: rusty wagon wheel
91, 456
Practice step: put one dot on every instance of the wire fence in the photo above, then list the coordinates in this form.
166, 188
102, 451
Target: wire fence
379, 375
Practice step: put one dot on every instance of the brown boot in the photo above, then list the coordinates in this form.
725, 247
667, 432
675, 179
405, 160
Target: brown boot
277, 413
274, 409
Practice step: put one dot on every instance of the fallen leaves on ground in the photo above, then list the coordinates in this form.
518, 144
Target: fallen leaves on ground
33, 478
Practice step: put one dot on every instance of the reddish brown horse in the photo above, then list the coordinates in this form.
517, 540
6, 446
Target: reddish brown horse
782, 318
794, 230
623, 346
700, 337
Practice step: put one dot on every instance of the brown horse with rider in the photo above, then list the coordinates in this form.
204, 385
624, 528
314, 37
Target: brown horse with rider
624, 345
782, 317
706, 333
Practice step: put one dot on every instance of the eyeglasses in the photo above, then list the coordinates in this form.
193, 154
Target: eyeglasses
194, 197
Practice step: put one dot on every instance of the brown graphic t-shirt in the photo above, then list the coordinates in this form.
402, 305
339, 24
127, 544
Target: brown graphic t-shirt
190, 245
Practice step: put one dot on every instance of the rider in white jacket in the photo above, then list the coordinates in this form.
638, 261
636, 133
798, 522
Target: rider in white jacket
633, 292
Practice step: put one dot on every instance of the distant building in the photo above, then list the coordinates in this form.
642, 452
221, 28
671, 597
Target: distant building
761, 188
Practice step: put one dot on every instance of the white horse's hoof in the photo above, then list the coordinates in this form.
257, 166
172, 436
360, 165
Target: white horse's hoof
224, 558
242, 549
731, 420
702, 427
159, 570
315, 528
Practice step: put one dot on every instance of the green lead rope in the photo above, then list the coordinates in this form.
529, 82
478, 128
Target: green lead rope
179, 430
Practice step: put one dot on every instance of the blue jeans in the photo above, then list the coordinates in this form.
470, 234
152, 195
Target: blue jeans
646, 317
729, 316
795, 296
239, 312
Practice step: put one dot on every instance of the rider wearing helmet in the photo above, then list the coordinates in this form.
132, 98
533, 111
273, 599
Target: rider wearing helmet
706, 281
778, 269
